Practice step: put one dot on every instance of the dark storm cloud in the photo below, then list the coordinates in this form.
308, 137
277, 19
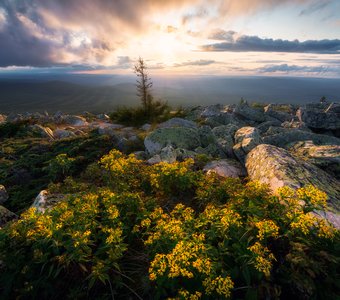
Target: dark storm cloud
49, 32
245, 43
285, 68
18, 46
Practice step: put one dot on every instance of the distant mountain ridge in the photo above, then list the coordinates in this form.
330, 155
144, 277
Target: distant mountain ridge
78, 93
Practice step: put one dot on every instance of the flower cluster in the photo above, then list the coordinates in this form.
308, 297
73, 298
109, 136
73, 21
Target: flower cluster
266, 228
263, 258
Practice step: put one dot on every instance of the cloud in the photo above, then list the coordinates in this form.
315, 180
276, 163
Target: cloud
245, 43
285, 68
220, 34
201, 62
48, 32
315, 7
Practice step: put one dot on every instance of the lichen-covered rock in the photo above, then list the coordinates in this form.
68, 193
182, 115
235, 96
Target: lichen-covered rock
206, 136
168, 154
109, 129
103, 117
146, 127
213, 150
295, 124
212, 110
319, 119
225, 137
178, 137
178, 122
62, 133
263, 127
41, 131
225, 168
277, 113
326, 157
331, 217
246, 138
6, 216
46, 200
2, 118
333, 108
74, 120
277, 167
286, 136
247, 112
3, 194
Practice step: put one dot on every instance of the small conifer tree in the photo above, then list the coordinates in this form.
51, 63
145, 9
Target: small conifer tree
143, 85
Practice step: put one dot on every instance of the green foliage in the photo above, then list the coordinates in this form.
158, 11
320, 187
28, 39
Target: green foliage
12, 129
60, 166
24, 163
170, 231
158, 111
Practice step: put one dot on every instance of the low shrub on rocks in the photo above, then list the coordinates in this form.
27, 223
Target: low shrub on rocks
170, 231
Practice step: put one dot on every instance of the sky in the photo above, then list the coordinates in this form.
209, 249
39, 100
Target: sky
194, 37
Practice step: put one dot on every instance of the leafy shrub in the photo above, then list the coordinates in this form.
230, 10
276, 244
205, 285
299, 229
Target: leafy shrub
60, 166
235, 250
12, 129
157, 112
78, 243
215, 239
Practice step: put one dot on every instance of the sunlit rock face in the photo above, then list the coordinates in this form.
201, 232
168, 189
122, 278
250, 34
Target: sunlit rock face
326, 157
277, 167
225, 168
246, 138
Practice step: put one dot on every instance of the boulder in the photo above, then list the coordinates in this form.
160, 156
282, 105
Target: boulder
213, 150
62, 133
319, 119
249, 113
177, 122
277, 167
74, 120
287, 136
109, 129
225, 168
206, 136
212, 110
225, 138
326, 157
3, 194
103, 117
178, 137
277, 113
41, 131
295, 124
146, 127
45, 200
246, 138
263, 127
2, 118
6, 216
333, 108
224, 119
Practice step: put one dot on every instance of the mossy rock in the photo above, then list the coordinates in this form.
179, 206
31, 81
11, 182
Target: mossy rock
178, 137
277, 168
6, 215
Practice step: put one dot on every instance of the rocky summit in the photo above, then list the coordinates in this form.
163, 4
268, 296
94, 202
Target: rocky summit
276, 144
